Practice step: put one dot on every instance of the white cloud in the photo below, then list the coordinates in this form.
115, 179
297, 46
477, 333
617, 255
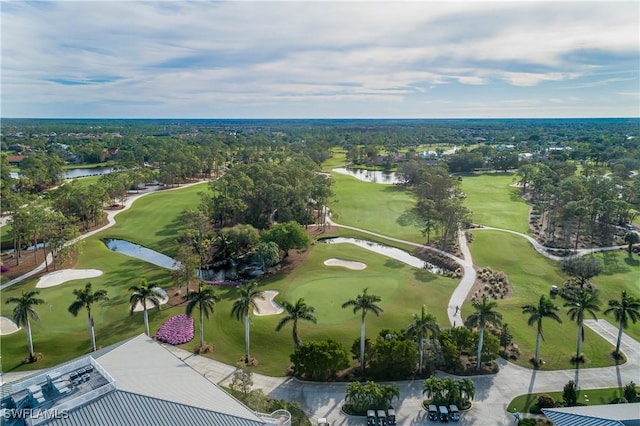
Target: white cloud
345, 55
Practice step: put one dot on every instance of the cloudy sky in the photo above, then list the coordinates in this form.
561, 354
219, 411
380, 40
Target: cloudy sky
320, 59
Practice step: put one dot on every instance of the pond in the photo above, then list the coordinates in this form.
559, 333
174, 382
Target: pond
391, 252
233, 271
373, 176
134, 250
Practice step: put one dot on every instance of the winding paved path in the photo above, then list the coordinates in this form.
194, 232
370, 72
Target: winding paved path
493, 392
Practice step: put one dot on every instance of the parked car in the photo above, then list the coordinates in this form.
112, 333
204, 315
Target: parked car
433, 413
454, 413
371, 418
323, 422
382, 418
444, 413
391, 416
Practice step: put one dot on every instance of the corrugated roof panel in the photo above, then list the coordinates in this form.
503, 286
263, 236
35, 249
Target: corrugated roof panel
120, 408
560, 418
142, 366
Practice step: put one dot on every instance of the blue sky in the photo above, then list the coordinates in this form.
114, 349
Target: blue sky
320, 59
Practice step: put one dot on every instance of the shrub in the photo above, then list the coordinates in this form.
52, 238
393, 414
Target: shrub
630, 393
570, 394
176, 330
4, 268
546, 401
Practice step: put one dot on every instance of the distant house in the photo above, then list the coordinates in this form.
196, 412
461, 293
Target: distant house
15, 160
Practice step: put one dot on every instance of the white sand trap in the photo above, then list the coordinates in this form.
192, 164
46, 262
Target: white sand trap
7, 326
58, 277
267, 306
163, 300
349, 264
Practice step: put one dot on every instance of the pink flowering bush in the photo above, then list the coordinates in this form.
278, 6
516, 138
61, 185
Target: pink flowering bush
176, 330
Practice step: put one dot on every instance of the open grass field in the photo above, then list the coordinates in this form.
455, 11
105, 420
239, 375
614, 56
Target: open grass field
494, 202
60, 336
385, 209
531, 275
154, 221
522, 403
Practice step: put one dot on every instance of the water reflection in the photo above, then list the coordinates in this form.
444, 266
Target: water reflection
142, 253
373, 176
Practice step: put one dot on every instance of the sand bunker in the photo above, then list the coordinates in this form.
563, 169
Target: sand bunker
267, 306
7, 326
356, 266
163, 300
58, 277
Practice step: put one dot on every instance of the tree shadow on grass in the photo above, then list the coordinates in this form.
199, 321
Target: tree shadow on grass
612, 264
629, 260
408, 218
423, 275
393, 264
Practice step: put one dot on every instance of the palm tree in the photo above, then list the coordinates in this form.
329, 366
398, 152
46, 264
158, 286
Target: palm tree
467, 389
583, 302
247, 293
625, 309
483, 315
24, 310
420, 326
544, 309
145, 293
366, 303
84, 299
205, 300
299, 311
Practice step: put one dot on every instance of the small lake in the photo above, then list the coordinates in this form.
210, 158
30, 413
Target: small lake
142, 253
81, 172
373, 176
391, 252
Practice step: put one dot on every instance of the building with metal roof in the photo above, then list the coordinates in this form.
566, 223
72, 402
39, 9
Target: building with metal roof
134, 382
595, 415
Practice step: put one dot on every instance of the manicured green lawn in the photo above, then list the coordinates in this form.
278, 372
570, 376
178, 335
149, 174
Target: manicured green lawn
155, 219
338, 159
385, 209
531, 275
403, 290
522, 403
61, 336
494, 202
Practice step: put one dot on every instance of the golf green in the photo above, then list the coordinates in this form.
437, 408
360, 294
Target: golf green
334, 293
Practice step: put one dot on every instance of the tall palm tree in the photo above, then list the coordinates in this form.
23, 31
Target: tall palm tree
84, 299
583, 302
145, 293
420, 326
366, 303
625, 309
23, 310
544, 309
467, 389
205, 300
247, 293
483, 315
298, 311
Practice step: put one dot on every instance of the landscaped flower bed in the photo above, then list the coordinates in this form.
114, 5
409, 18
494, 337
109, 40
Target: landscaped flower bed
176, 330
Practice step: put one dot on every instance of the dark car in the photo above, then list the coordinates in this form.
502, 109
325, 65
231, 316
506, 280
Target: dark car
433, 413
